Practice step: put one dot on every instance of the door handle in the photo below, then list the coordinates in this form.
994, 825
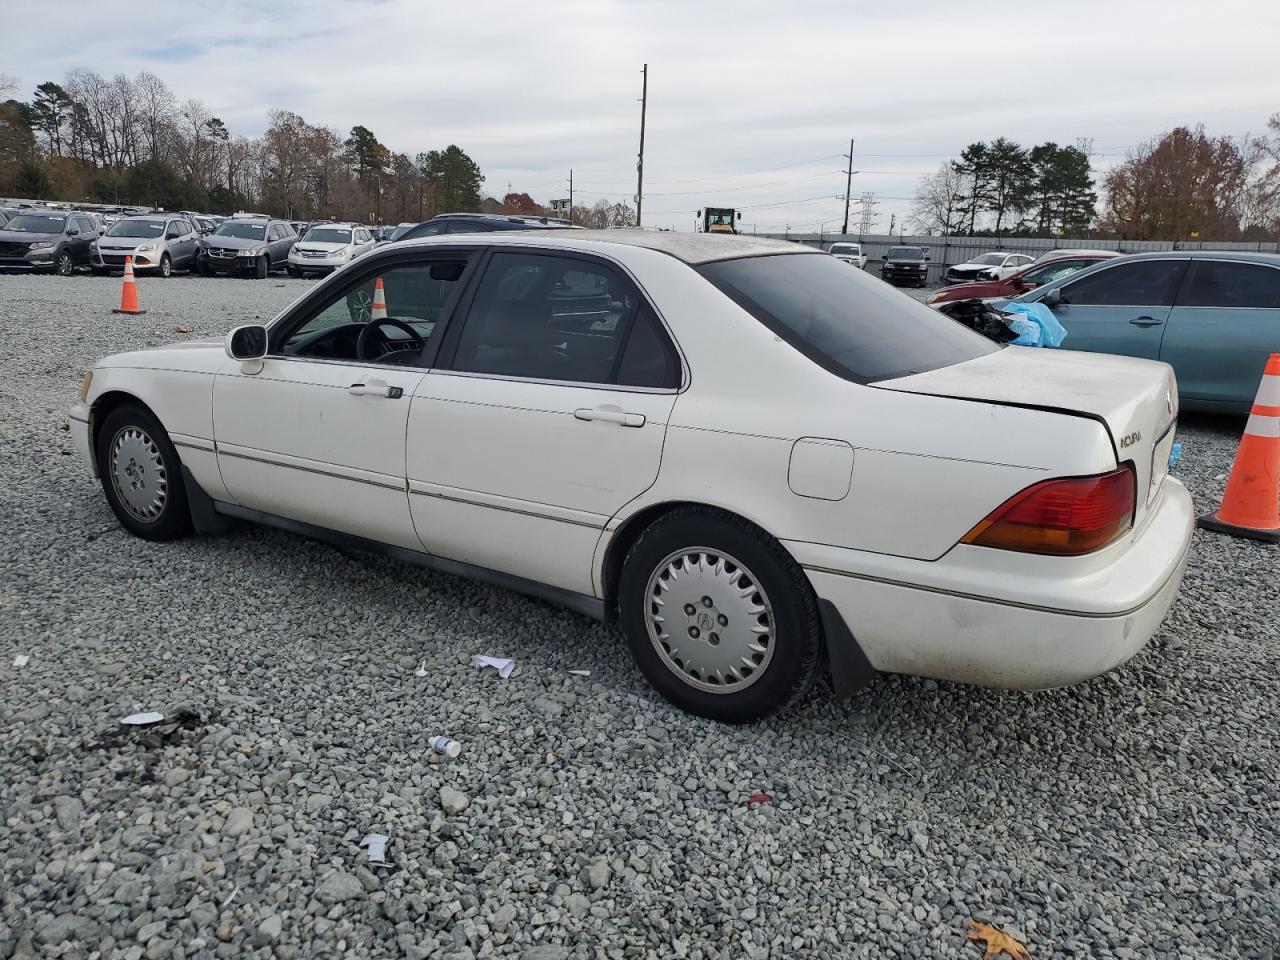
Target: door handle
610, 416
376, 388
1146, 322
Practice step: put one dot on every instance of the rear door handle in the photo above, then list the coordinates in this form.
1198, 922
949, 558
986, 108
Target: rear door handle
376, 388
1146, 322
610, 416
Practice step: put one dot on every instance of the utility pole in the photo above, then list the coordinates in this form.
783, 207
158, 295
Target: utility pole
848, 184
892, 219
571, 194
644, 103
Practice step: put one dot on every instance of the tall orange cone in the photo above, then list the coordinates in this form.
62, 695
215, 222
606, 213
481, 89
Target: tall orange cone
379, 309
129, 293
1251, 504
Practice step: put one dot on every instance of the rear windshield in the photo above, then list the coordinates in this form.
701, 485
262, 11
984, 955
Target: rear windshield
136, 228
844, 320
241, 229
906, 253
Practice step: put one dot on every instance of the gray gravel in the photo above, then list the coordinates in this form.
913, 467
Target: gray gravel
1132, 816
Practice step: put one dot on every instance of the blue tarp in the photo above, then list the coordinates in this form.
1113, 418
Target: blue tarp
1035, 325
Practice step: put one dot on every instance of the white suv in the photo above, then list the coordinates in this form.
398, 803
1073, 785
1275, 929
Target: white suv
328, 246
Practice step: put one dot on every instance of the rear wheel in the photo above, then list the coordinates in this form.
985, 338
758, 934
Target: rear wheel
719, 617
141, 475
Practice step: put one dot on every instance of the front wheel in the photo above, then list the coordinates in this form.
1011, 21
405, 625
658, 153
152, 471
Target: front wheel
63, 265
719, 617
166, 266
141, 475
261, 267
293, 271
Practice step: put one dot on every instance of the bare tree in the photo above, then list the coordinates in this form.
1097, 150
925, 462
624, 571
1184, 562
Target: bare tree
938, 204
157, 108
8, 86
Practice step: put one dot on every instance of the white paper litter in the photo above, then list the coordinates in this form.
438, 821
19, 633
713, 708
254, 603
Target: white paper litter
580, 673
501, 664
142, 719
377, 844
21, 660
422, 669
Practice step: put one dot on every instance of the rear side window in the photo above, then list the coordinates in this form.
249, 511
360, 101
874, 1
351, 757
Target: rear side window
845, 321
1145, 283
1214, 283
555, 318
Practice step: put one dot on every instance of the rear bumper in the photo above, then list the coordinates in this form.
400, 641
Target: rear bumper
1003, 619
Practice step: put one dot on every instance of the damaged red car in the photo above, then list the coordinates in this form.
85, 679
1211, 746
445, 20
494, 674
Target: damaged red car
1042, 271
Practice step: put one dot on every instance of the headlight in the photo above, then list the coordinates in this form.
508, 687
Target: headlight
345, 251
85, 384
254, 252
42, 245
147, 247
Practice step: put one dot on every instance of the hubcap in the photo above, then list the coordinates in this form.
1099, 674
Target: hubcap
709, 620
138, 474
360, 305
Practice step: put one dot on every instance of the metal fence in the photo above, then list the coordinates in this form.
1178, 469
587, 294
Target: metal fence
948, 251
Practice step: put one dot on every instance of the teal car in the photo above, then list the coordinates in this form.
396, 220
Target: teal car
1214, 316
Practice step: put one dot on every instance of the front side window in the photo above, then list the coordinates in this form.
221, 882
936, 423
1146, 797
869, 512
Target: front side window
1147, 283
557, 318
1215, 283
173, 231
418, 296
842, 319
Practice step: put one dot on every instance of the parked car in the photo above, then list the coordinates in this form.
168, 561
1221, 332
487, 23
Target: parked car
161, 244
905, 265
246, 245
685, 463
1042, 271
850, 253
399, 230
989, 266
1214, 316
327, 247
480, 223
1074, 252
47, 241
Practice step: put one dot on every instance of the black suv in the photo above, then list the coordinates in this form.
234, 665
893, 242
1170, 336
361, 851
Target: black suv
905, 265
482, 223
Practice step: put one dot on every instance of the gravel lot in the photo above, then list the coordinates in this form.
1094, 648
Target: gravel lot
1136, 815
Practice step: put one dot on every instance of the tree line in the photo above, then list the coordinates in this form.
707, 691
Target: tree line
1182, 185
129, 140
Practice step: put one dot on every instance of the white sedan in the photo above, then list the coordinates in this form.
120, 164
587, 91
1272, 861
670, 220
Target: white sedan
328, 246
763, 464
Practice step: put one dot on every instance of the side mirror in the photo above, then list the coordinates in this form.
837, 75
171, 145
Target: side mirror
926, 256
884, 257
246, 343
73, 232
1052, 298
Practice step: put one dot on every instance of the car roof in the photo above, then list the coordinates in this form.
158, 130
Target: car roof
691, 248
1270, 259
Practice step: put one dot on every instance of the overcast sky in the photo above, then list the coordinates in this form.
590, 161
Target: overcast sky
750, 103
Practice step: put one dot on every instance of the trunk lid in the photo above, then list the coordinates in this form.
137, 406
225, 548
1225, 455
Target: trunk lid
1137, 400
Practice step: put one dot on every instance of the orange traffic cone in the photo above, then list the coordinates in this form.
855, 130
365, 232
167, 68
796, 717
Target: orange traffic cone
129, 293
1251, 504
379, 309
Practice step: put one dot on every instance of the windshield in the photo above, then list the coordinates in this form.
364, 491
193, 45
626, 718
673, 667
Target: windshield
241, 229
845, 248
136, 228
1048, 272
328, 235
36, 223
906, 253
989, 259
843, 320
404, 228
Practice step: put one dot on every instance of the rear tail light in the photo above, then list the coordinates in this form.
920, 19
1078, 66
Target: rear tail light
1061, 518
